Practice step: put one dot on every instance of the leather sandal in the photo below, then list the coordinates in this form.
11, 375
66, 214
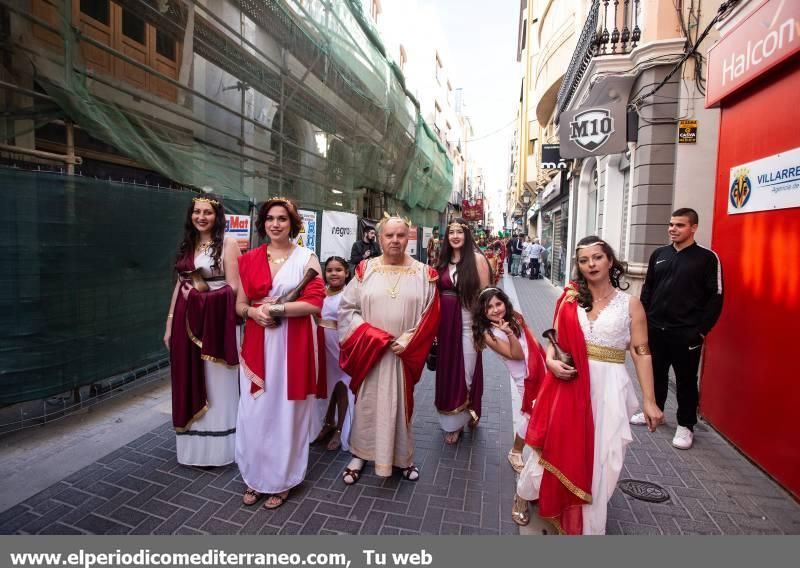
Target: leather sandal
335, 442
410, 473
251, 497
515, 459
325, 432
351, 476
451, 438
519, 512
276, 500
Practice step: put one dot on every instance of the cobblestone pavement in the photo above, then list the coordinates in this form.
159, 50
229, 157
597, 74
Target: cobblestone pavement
140, 489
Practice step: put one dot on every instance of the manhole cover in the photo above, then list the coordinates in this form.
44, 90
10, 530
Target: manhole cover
643, 490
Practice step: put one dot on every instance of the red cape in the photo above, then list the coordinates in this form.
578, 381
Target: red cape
256, 279
562, 428
536, 367
366, 345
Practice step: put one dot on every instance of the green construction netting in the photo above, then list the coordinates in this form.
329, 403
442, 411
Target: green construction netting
289, 97
85, 279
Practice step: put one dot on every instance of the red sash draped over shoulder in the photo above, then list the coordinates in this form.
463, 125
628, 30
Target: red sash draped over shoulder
562, 427
203, 329
366, 346
256, 281
536, 367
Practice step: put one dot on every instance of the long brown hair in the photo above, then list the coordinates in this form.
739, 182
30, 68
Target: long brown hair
481, 323
468, 284
190, 233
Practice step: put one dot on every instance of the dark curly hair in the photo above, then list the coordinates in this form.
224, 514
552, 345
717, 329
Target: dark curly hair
190, 234
615, 273
295, 221
341, 261
482, 324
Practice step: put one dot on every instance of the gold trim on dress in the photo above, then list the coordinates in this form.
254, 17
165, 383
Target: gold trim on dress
574, 489
199, 414
605, 354
458, 410
328, 324
392, 269
191, 335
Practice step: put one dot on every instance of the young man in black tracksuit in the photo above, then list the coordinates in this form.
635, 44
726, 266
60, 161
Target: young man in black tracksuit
682, 296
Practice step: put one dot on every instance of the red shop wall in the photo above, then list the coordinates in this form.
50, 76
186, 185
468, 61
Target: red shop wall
751, 374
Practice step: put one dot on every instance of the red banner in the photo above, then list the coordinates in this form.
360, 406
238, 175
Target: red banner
472, 211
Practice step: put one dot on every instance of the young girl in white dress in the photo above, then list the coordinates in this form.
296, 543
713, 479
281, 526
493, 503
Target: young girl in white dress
498, 327
336, 428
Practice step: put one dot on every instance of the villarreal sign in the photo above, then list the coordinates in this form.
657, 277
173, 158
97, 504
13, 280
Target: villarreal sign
766, 184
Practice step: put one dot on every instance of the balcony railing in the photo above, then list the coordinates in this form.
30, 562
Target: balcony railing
612, 28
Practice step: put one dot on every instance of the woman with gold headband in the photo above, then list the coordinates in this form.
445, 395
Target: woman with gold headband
201, 337
579, 425
463, 273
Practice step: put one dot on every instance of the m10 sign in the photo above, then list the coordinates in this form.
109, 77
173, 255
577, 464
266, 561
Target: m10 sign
763, 39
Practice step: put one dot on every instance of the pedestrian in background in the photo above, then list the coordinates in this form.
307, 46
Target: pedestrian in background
682, 295
516, 254
205, 392
365, 248
434, 246
536, 259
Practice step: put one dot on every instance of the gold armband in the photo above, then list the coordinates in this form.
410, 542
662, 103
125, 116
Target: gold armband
277, 309
643, 349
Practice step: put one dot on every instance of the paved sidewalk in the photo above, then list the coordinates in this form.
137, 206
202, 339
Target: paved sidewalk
140, 489
713, 488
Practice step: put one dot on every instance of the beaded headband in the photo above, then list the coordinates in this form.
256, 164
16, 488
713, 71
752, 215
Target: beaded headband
205, 200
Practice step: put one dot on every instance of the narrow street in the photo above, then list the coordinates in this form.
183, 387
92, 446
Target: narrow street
139, 488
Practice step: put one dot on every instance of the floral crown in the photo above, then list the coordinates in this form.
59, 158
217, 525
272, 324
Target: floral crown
284, 200
456, 223
205, 200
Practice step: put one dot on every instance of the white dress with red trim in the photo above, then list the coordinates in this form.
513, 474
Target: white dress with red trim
273, 432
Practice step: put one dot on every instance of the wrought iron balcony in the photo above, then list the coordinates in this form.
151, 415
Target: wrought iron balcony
599, 38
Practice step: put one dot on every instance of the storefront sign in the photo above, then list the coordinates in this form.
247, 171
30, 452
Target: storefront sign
766, 184
427, 233
308, 234
599, 127
763, 39
687, 131
551, 190
339, 232
238, 227
551, 158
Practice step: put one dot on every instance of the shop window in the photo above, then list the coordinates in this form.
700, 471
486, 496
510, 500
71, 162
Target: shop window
165, 45
99, 10
133, 27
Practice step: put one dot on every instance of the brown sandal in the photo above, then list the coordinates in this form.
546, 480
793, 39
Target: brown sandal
452, 438
276, 500
410, 473
325, 432
351, 476
335, 442
251, 497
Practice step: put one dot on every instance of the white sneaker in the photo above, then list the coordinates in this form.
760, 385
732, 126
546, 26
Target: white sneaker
638, 419
683, 438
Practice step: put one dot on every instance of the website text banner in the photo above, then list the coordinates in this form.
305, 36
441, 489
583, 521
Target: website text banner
368, 551
339, 232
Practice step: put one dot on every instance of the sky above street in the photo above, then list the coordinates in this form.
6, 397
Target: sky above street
481, 40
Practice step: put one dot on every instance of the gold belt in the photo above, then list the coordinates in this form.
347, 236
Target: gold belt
607, 354
329, 324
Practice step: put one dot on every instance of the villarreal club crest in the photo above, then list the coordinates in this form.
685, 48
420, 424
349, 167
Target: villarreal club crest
740, 188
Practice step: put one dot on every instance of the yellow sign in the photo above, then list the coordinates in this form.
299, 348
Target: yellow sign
687, 131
